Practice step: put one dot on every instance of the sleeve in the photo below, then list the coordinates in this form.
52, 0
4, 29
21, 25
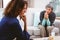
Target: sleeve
20, 35
18, 31
41, 17
53, 16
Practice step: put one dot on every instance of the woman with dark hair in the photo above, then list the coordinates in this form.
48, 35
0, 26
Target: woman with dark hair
9, 25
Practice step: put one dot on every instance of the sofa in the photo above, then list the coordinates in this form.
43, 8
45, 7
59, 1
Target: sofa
32, 15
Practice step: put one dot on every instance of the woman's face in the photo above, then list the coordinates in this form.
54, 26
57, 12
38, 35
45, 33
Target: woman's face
24, 9
48, 10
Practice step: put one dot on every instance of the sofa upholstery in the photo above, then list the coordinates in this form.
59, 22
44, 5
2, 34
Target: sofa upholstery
57, 24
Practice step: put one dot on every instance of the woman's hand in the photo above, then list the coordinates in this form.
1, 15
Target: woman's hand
46, 16
23, 17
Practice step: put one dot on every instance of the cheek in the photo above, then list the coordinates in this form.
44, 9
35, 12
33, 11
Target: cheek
49, 11
24, 10
21, 13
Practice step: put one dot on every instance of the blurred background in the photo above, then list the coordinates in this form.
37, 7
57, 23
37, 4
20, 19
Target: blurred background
40, 4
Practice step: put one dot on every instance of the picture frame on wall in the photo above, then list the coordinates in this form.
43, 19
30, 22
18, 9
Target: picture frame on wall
1, 3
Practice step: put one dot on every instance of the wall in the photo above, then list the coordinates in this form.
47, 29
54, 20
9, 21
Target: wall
41, 3
5, 2
33, 3
0, 3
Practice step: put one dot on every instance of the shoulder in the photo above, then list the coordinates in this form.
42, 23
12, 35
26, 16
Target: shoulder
53, 14
9, 20
42, 12
14, 20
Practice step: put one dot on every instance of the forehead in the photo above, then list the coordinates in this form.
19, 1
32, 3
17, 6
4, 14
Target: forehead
49, 8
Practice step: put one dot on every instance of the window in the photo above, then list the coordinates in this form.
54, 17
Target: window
56, 6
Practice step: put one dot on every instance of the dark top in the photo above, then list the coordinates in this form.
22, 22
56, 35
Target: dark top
10, 28
52, 17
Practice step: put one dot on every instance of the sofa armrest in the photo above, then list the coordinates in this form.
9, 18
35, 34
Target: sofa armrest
57, 23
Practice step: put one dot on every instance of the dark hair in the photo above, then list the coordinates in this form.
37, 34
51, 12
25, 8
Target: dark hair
21, 6
13, 7
49, 6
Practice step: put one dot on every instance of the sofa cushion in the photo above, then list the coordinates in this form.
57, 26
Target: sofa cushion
30, 17
34, 30
36, 16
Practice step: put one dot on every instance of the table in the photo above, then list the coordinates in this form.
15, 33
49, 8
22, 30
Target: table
46, 38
